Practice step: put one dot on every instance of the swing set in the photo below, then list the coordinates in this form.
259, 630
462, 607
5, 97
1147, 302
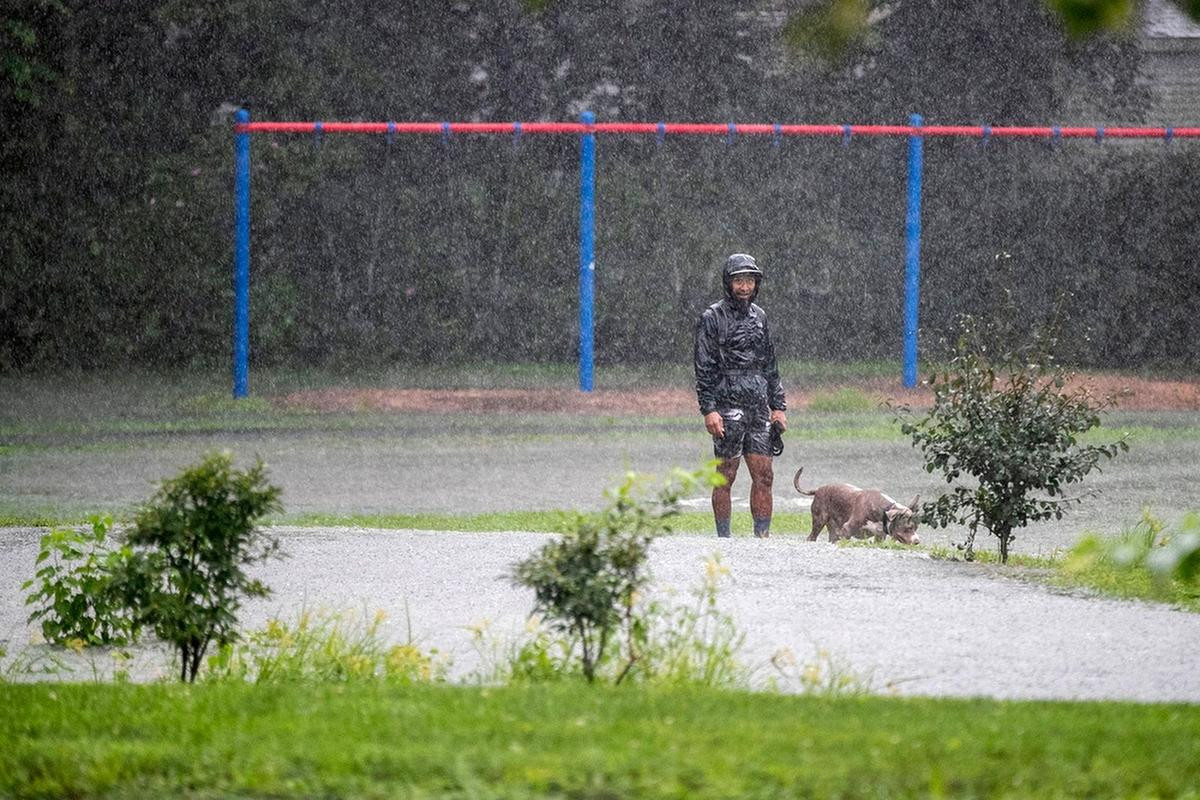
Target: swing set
587, 130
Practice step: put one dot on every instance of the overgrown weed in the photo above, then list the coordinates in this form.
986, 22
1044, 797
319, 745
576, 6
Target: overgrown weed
825, 675
325, 646
30, 663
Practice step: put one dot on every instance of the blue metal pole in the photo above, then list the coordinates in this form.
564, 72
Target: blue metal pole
587, 247
241, 259
912, 250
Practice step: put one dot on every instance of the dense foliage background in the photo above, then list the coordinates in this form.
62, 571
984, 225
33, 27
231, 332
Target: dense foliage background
116, 208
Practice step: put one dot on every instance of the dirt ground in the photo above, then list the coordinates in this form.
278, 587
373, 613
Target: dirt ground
1129, 393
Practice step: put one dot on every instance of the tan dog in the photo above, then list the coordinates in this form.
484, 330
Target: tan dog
847, 510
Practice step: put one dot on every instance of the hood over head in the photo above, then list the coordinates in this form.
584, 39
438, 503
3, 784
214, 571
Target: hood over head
741, 264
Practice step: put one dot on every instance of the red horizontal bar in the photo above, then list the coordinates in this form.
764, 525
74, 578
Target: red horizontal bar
718, 129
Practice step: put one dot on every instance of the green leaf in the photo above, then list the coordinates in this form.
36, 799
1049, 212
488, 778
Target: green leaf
828, 29
1086, 17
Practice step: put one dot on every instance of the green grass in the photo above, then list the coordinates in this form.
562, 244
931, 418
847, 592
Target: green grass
535, 521
843, 399
983, 556
836, 420
786, 523
1130, 584
575, 741
689, 522
1121, 566
1099, 575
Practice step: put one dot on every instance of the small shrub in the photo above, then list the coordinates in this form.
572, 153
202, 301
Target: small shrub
669, 643
193, 541
586, 582
1002, 414
76, 597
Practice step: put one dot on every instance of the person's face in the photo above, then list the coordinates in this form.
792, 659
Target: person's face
743, 286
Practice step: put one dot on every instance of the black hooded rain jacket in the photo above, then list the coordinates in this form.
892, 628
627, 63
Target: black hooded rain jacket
734, 356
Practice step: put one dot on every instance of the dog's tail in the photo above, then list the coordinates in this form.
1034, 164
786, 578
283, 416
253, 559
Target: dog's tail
796, 483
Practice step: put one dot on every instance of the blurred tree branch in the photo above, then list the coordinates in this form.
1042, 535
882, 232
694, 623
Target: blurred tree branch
23, 67
832, 28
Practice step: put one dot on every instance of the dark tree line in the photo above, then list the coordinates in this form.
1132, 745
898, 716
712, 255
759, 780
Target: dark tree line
116, 223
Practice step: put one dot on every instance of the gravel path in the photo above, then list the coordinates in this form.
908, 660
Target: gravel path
898, 621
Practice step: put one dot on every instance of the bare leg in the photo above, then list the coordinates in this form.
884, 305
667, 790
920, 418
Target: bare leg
762, 479
721, 504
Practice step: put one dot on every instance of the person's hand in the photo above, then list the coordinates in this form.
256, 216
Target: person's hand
714, 424
781, 418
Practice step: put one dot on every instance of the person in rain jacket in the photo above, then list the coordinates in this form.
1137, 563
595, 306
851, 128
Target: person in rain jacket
738, 387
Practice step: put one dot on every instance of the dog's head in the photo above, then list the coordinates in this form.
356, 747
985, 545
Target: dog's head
900, 522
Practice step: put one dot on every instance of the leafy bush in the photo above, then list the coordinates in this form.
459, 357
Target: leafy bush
1003, 414
669, 643
586, 582
324, 646
193, 540
78, 601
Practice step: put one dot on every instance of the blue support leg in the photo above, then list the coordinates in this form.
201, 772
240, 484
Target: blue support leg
587, 246
912, 249
241, 260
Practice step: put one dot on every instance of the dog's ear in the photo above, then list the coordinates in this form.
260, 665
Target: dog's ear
915, 504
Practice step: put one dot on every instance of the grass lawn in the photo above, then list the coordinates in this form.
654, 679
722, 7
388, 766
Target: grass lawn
697, 522
375, 740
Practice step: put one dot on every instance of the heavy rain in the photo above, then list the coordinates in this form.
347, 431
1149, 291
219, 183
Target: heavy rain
417, 330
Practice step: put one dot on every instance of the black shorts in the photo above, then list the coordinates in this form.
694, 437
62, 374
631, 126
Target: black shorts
747, 432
